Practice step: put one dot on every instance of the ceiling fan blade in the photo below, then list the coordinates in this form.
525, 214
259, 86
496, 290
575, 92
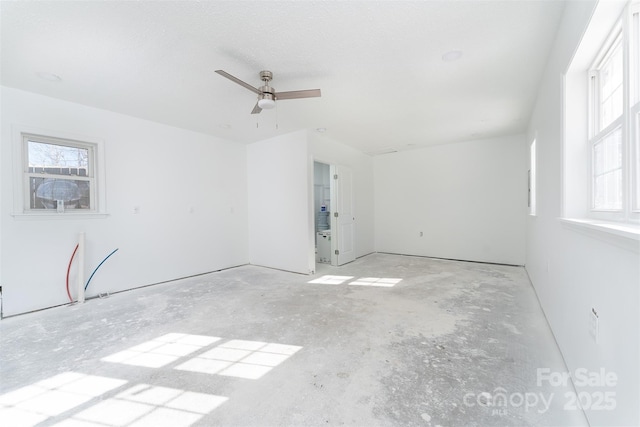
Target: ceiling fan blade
256, 109
294, 94
237, 80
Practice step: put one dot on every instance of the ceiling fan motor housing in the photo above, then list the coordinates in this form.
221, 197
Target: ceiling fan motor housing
266, 76
267, 91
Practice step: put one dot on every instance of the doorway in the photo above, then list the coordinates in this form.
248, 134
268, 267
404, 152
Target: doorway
322, 211
334, 220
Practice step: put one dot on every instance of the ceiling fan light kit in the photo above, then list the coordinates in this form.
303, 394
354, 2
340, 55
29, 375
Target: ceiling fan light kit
267, 95
266, 102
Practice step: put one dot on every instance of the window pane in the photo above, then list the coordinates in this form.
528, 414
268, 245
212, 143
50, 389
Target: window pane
607, 153
611, 88
635, 57
57, 159
616, 103
613, 151
636, 169
46, 192
608, 191
607, 171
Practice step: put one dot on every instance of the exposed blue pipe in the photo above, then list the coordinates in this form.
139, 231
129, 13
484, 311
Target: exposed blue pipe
94, 271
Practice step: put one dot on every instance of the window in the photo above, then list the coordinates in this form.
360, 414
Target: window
634, 109
613, 122
532, 178
57, 174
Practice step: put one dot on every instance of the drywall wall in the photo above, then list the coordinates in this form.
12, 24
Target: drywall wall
469, 201
280, 184
574, 269
190, 190
327, 150
281, 200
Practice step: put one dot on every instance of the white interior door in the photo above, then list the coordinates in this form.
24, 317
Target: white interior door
343, 219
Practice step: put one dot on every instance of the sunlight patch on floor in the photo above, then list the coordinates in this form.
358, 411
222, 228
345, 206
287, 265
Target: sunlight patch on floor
162, 350
376, 281
37, 402
147, 405
240, 358
384, 282
331, 280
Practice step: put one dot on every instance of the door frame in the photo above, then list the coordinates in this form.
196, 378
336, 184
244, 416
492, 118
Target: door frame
333, 205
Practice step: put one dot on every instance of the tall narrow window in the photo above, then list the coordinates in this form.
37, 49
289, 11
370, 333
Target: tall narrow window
602, 118
532, 178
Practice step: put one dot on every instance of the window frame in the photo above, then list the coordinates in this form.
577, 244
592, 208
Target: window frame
533, 155
623, 32
28, 175
95, 175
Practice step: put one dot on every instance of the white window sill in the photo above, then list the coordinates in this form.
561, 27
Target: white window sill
57, 216
626, 236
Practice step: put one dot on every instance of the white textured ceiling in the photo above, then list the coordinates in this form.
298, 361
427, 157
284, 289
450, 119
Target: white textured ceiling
378, 63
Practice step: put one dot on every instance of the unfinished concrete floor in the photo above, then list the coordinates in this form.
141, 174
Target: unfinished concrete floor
386, 340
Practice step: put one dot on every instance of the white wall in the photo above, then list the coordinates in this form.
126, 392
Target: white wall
468, 199
280, 186
281, 199
190, 189
326, 150
573, 269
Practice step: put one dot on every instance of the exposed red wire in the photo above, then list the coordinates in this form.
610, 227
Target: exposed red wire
69, 269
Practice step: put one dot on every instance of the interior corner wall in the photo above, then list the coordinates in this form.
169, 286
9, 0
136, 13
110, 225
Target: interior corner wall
329, 151
280, 179
465, 201
190, 188
572, 271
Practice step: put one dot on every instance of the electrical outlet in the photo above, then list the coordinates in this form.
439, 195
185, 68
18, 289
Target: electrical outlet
594, 324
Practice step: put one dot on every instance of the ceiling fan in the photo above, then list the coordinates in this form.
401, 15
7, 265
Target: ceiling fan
267, 95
